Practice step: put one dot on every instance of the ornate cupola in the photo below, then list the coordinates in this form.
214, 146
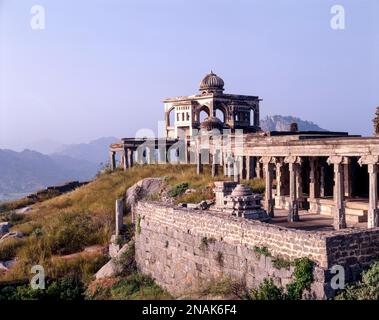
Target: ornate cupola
211, 84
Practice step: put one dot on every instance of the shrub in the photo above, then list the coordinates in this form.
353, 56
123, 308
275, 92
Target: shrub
267, 290
9, 248
303, 277
367, 289
262, 251
178, 189
280, 263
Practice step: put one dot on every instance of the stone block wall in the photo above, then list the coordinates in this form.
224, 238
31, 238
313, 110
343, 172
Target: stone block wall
184, 249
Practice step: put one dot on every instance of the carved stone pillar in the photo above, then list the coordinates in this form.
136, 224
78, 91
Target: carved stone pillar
119, 216
250, 167
244, 161
258, 171
125, 161
237, 169
199, 165
131, 157
312, 178
338, 192
322, 181
215, 163
293, 164
279, 178
112, 160
373, 212
347, 177
268, 169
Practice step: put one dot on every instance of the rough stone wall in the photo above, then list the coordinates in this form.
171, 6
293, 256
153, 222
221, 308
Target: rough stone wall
185, 249
354, 250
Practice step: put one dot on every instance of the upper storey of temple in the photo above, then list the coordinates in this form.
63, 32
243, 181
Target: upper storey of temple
184, 114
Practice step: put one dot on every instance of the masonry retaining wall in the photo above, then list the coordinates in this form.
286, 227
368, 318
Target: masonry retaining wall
184, 250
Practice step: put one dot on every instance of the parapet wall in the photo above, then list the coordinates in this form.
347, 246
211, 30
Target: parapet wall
183, 249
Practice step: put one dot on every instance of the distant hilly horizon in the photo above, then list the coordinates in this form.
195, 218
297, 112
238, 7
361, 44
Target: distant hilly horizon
30, 170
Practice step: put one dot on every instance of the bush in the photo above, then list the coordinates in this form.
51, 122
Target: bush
9, 248
303, 278
178, 190
367, 289
267, 290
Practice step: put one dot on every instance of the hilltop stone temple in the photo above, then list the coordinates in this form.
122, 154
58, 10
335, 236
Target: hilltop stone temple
331, 174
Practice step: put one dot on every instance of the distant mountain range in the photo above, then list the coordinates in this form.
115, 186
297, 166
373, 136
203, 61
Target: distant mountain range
282, 123
28, 171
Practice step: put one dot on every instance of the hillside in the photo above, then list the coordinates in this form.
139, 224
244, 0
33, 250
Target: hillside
282, 123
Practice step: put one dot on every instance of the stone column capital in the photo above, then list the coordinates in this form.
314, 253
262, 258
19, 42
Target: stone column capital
293, 160
337, 160
368, 159
265, 160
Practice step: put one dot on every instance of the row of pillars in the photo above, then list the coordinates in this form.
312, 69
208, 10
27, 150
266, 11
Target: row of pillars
248, 167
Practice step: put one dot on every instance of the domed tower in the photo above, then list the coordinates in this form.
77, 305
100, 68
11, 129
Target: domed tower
211, 84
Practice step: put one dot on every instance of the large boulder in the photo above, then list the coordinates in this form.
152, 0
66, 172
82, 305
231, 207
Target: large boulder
4, 228
143, 189
114, 266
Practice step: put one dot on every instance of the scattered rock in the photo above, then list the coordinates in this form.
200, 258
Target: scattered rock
189, 191
23, 210
4, 228
16, 234
113, 267
6, 265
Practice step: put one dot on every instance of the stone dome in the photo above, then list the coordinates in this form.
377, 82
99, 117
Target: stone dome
241, 191
211, 123
211, 83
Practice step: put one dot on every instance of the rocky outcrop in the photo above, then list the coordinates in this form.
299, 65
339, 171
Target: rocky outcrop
143, 189
16, 234
114, 266
282, 123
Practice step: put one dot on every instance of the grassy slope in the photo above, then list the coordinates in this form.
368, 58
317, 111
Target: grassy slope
84, 217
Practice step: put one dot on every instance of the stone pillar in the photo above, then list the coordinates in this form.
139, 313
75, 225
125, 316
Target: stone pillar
131, 158
268, 201
322, 181
250, 168
125, 161
244, 160
373, 216
279, 178
112, 160
162, 154
372, 166
236, 170
338, 192
299, 183
199, 165
347, 177
312, 178
258, 171
119, 216
215, 163
293, 212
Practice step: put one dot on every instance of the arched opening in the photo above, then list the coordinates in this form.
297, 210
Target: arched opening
203, 113
171, 117
220, 114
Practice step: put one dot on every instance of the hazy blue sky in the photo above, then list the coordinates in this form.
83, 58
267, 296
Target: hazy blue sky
102, 67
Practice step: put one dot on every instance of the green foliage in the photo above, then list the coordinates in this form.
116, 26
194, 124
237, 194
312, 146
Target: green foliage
262, 251
303, 277
127, 262
178, 189
280, 263
367, 289
61, 289
267, 290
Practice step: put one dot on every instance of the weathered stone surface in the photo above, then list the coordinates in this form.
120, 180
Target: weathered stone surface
142, 189
183, 249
